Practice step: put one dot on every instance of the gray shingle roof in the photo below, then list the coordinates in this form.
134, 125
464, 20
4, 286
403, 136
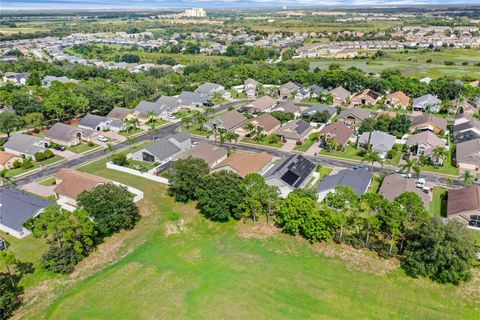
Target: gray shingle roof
380, 141
358, 180
24, 144
425, 101
319, 108
18, 206
188, 96
62, 132
292, 170
92, 120
162, 148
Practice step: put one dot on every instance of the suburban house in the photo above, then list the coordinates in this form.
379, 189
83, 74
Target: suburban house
464, 204
267, 122
164, 150
468, 155
47, 80
192, 98
287, 106
263, 104
212, 89
463, 106
122, 114
424, 143
168, 105
211, 153
250, 87
366, 97
340, 95
466, 129
71, 183
316, 91
7, 159
228, 121
317, 108
428, 122
338, 131
357, 179
244, 163
95, 123
16, 78
398, 100
379, 141
288, 89
353, 117
65, 134
395, 184
297, 130
426, 103
25, 145
290, 173
16, 208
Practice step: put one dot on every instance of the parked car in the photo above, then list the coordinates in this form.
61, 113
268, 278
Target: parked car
208, 104
60, 148
406, 156
3, 244
421, 183
478, 255
102, 139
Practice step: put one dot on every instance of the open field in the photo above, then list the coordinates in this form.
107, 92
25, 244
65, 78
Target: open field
408, 68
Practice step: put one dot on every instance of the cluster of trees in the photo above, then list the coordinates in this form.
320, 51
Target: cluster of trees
397, 126
251, 52
11, 272
398, 228
71, 236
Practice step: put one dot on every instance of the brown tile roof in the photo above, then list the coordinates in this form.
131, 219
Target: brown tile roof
266, 121
357, 112
429, 118
245, 163
263, 103
463, 200
425, 137
468, 151
399, 97
119, 113
5, 156
232, 119
340, 132
367, 93
206, 151
394, 185
288, 106
73, 182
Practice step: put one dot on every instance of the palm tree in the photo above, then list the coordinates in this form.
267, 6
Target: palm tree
152, 116
411, 165
200, 119
250, 129
230, 136
110, 149
187, 121
437, 154
331, 144
372, 156
467, 178
258, 133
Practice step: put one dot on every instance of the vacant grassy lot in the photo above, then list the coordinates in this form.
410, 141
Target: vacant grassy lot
191, 268
418, 69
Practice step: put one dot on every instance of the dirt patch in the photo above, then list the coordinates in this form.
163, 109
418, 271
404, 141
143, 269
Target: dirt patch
260, 230
176, 227
362, 260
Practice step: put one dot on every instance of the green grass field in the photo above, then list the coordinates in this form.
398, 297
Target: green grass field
438, 206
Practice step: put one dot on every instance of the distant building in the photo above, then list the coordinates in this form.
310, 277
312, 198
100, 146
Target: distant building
195, 13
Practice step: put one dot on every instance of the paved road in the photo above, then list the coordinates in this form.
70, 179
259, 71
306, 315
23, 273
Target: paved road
159, 133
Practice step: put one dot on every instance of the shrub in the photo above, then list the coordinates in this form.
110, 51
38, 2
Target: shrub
391, 154
27, 164
61, 260
120, 160
17, 164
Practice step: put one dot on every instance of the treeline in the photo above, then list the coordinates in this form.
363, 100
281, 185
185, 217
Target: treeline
400, 228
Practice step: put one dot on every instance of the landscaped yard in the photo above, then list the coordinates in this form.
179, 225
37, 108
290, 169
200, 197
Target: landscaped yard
195, 129
263, 142
396, 160
375, 184
307, 143
130, 132
438, 206
16, 172
83, 147
447, 168
349, 153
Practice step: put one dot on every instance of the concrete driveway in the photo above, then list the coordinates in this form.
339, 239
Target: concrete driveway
289, 145
38, 189
113, 136
69, 155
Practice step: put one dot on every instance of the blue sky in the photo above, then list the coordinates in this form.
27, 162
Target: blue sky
70, 4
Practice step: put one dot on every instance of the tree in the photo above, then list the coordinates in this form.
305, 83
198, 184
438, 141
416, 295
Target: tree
130, 58
442, 251
411, 165
220, 196
8, 297
111, 207
413, 213
438, 154
120, 159
200, 119
287, 54
391, 217
186, 177
344, 201
258, 197
372, 157
34, 120
467, 178
368, 212
10, 122
299, 215
8, 261
187, 121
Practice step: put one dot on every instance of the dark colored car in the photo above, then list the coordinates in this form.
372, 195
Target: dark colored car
406, 156
3, 244
208, 104
60, 148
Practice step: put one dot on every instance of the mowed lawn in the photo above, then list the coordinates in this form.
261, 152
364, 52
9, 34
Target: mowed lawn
192, 268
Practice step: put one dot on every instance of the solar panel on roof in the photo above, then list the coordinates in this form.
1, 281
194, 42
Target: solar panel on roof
289, 177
